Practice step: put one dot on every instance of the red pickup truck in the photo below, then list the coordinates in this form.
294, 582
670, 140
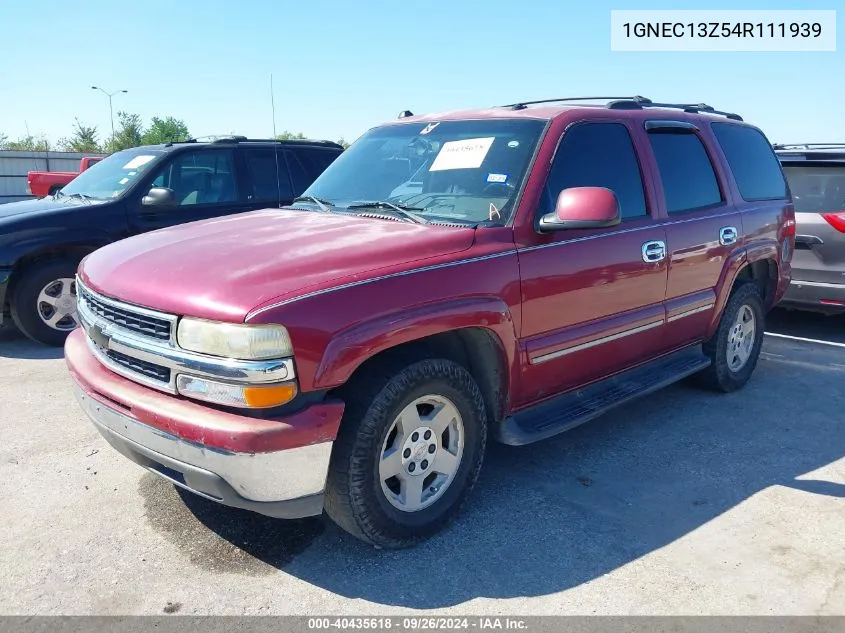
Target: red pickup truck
512, 271
47, 183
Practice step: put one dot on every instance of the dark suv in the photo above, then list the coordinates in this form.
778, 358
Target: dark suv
816, 176
135, 191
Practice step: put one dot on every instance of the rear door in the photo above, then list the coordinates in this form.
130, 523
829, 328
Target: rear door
702, 227
205, 184
818, 190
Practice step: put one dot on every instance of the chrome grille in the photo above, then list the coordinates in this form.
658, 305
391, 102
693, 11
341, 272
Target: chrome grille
156, 372
144, 324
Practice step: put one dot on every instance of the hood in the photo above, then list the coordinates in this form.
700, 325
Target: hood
37, 206
223, 268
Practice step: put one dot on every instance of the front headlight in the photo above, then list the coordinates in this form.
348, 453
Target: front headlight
233, 340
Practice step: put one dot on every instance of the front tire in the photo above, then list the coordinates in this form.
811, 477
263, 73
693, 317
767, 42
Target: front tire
735, 347
408, 453
44, 302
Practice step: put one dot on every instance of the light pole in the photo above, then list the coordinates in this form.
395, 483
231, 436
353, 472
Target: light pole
111, 112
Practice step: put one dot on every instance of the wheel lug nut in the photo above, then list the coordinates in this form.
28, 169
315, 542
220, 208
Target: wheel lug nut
431, 448
424, 464
415, 436
427, 435
412, 467
407, 453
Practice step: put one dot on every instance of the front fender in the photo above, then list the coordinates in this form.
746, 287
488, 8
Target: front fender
23, 243
349, 348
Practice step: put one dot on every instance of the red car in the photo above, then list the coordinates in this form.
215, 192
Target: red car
508, 272
47, 183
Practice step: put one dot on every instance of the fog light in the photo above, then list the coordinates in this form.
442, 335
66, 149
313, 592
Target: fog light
251, 396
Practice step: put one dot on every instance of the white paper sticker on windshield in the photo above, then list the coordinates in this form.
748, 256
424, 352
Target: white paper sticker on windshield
466, 154
138, 161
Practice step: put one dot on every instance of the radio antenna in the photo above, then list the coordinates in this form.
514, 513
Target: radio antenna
275, 144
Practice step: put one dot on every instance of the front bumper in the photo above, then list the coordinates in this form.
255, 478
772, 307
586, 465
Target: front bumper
814, 295
275, 467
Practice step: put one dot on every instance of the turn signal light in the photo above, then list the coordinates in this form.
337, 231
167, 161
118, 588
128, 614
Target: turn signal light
270, 396
251, 396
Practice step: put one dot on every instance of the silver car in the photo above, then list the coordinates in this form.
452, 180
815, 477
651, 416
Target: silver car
816, 176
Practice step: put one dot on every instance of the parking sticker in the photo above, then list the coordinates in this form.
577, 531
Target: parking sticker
497, 177
466, 154
138, 161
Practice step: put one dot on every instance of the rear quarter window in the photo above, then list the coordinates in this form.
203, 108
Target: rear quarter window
755, 167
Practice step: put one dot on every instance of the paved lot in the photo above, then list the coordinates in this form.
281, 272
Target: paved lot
685, 502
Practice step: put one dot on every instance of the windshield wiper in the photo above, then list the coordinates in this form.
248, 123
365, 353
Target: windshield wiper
323, 204
401, 210
78, 196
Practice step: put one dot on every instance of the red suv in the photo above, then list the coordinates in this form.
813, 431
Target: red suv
508, 272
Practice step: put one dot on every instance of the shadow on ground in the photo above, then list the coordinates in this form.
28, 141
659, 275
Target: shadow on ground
560, 513
13, 344
807, 325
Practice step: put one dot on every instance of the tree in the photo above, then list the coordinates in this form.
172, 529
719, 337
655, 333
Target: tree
4, 141
28, 143
290, 136
129, 133
83, 139
343, 142
169, 130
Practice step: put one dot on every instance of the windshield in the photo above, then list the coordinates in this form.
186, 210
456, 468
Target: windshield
113, 175
817, 188
452, 170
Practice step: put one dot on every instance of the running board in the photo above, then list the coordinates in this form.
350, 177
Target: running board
571, 409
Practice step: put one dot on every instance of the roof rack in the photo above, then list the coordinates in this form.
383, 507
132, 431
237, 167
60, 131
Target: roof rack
294, 141
524, 104
808, 145
638, 103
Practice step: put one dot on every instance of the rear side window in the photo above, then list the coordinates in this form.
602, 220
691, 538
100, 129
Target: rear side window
597, 155
752, 161
306, 163
315, 160
686, 172
267, 186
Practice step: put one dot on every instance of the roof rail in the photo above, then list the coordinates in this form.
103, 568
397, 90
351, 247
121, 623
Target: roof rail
523, 104
294, 141
693, 108
808, 145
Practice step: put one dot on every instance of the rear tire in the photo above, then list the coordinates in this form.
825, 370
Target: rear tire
735, 347
42, 286
395, 423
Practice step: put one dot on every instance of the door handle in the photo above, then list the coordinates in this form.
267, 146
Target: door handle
727, 235
654, 251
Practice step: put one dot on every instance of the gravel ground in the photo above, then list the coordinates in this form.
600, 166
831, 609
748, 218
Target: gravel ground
685, 502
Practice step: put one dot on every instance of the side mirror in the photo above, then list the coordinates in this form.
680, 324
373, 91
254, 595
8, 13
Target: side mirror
582, 208
160, 198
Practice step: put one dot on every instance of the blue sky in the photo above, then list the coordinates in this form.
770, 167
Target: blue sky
342, 67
